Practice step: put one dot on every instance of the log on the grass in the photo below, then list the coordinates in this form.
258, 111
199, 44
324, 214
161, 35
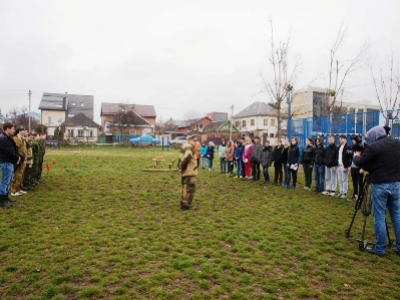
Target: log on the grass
160, 170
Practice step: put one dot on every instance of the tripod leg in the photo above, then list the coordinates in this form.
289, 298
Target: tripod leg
347, 231
363, 242
390, 241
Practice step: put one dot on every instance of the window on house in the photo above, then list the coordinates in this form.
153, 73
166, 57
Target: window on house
244, 123
91, 133
48, 120
82, 104
70, 115
57, 105
271, 135
265, 122
252, 122
80, 133
272, 122
70, 132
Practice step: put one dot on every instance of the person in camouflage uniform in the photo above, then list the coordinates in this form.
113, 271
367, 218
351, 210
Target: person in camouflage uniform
187, 164
42, 153
36, 153
26, 183
16, 183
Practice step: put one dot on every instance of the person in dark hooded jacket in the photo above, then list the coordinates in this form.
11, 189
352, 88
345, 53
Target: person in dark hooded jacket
307, 159
357, 173
331, 162
238, 159
293, 161
319, 166
383, 160
9, 157
256, 158
266, 160
277, 158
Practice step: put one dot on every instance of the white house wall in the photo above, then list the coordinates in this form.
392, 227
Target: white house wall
259, 128
86, 134
56, 118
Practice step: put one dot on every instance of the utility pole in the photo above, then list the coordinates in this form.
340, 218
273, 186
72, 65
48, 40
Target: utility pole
230, 136
29, 115
289, 102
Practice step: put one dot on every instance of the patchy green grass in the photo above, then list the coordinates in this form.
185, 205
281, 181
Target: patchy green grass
106, 230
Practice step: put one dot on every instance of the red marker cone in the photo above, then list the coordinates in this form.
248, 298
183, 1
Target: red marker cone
47, 167
54, 162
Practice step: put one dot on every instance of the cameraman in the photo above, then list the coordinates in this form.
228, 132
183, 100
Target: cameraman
383, 158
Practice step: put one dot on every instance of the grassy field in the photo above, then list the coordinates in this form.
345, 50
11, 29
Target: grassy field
106, 230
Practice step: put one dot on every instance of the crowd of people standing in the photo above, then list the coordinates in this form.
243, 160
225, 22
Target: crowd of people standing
21, 161
248, 159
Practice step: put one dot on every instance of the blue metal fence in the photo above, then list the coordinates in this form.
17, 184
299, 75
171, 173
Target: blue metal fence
338, 124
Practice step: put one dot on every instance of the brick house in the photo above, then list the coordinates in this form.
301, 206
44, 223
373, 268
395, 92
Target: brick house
142, 118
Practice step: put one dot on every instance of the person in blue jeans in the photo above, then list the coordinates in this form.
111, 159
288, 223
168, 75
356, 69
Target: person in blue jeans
238, 159
319, 166
9, 157
203, 155
382, 160
286, 169
266, 160
210, 155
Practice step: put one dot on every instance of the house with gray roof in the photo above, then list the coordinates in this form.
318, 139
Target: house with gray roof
258, 119
110, 110
122, 118
80, 128
217, 130
55, 108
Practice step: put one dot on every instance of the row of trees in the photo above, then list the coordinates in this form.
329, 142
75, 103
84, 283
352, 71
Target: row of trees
20, 117
387, 84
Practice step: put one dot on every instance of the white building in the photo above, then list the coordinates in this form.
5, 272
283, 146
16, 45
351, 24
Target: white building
309, 102
80, 128
56, 108
258, 119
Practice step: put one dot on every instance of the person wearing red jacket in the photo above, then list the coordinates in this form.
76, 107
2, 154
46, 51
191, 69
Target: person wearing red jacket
248, 149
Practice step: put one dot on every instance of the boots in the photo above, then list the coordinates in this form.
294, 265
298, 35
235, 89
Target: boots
4, 201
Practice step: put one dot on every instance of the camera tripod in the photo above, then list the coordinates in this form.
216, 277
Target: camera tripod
365, 204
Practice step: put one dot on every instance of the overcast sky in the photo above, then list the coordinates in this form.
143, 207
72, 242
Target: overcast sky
180, 55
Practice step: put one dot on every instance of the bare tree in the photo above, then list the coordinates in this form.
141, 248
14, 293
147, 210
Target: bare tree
277, 85
123, 117
387, 90
191, 117
20, 117
340, 70
162, 127
14, 111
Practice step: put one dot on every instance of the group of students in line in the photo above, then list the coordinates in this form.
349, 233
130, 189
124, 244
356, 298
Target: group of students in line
21, 161
330, 164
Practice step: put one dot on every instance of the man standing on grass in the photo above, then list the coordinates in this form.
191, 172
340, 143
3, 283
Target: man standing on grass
344, 163
331, 161
8, 158
26, 184
256, 159
187, 165
36, 160
42, 138
382, 159
16, 184
277, 156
